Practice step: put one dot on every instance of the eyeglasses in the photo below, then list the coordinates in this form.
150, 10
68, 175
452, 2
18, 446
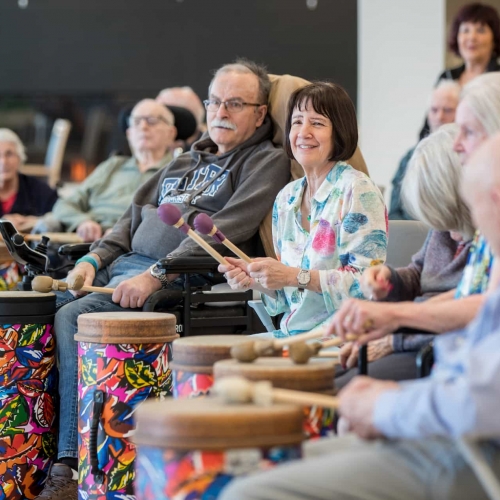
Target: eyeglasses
135, 121
232, 106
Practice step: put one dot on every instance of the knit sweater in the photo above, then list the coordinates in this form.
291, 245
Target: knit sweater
105, 194
436, 268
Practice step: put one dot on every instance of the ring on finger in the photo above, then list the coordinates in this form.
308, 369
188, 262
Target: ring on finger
347, 319
257, 280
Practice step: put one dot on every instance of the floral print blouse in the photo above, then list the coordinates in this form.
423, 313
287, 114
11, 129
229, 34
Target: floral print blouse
348, 233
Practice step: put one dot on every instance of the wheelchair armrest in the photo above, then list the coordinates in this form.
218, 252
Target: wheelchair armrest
425, 360
186, 265
163, 299
74, 250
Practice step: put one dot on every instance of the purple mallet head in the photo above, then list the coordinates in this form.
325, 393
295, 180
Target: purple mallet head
203, 223
170, 215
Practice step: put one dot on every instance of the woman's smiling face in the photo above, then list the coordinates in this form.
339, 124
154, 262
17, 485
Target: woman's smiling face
311, 137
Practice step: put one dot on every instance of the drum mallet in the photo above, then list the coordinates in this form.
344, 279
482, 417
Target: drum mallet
251, 350
45, 284
205, 225
172, 216
237, 390
301, 352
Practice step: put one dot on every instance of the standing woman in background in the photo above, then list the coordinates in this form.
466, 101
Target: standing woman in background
475, 37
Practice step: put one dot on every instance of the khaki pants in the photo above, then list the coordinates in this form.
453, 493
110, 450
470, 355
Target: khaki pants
351, 469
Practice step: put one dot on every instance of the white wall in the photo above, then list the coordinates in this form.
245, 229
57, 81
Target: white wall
401, 51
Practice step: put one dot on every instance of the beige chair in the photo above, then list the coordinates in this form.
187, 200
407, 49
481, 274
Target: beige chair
406, 238
55, 155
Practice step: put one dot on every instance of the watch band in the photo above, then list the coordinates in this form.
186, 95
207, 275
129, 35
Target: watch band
159, 275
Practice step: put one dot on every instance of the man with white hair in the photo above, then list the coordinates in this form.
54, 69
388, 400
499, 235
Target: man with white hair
233, 174
422, 419
442, 108
185, 97
100, 200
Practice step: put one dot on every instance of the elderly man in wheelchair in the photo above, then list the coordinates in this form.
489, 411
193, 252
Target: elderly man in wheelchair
233, 174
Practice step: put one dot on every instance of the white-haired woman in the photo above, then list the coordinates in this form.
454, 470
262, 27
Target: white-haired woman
22, 198
433, 174
478, 117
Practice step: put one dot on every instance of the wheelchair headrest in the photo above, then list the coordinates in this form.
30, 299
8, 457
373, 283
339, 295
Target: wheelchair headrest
185, 122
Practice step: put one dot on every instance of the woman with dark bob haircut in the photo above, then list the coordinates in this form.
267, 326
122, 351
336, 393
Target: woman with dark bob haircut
328, 227
475, 37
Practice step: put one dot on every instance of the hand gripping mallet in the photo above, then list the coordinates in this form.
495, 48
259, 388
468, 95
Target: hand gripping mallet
172, 216
45, 284
237, 390
205, 225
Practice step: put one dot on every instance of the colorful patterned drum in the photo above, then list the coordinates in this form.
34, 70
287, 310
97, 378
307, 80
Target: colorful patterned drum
123, 359
315, 376
194, 358
189, 449
28, 385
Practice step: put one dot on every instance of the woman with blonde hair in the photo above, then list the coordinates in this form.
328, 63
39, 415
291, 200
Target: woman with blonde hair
431, 194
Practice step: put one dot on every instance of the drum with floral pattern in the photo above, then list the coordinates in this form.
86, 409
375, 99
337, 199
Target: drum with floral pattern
126, 367
28, 387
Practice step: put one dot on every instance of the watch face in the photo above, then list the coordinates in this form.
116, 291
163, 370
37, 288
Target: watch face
156, 271
304, 277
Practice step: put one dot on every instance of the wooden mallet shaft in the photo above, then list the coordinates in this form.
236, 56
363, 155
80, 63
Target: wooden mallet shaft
205, 225
240, 390
55, 237
45, 284
227, 243
203, 244
172, 216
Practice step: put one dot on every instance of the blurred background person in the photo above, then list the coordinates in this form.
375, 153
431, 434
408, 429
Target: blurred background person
474, 37
185, 97
99, 201
442, 108
23, 198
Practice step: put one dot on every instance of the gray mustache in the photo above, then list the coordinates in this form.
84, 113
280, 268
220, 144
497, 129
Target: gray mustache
216, 122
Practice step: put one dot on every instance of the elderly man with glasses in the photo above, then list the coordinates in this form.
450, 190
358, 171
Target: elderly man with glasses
233, 173
98, 202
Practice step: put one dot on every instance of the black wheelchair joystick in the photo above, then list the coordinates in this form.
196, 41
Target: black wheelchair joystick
35, 260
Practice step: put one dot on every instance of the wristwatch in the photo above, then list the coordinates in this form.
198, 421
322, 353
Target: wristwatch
303, 279
159, 273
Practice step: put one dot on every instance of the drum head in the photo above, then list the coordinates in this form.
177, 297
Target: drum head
124, 327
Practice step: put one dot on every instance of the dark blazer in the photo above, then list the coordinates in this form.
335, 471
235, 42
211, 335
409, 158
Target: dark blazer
34, 197
454, 74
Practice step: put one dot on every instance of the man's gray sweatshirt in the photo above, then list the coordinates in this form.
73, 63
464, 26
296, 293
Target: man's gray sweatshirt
236, 189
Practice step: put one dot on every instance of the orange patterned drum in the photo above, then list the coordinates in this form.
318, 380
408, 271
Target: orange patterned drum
190, 449
193, 359
315, 376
